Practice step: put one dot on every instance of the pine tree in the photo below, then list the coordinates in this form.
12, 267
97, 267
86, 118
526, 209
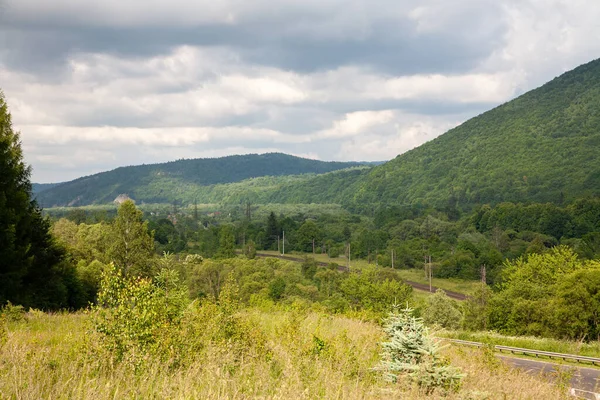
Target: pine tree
32, 267
271, 232
411, 353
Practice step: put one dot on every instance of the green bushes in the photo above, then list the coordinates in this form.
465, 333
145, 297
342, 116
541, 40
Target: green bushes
134, 316
554, 294
284, 282
442, 311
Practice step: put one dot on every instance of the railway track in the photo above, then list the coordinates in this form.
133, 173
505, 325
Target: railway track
416, 285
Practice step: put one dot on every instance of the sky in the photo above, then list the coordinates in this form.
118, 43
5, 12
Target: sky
94, 85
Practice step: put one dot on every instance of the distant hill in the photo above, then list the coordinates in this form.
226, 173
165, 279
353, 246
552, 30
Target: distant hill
40, 187
183, 180
543, 146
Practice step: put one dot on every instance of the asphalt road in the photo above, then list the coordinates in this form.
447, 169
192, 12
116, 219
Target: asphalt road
585, 381
415, 285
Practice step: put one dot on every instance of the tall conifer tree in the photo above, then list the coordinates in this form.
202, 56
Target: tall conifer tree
32, 269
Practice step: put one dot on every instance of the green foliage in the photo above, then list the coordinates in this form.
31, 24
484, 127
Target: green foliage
442, 311
226, 243
33, 271
12, 313
308, 235
249, 249
134, 314
410, 352
375, 289
309, 268
132, 246
475, 309
553, 294
207, 180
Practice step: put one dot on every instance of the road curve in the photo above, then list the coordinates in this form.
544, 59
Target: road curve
418, 286
585, 381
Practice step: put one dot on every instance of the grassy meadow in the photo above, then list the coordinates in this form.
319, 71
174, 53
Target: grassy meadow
275, 354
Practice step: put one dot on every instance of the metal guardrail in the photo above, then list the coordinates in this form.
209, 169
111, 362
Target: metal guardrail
584, 394
529, 352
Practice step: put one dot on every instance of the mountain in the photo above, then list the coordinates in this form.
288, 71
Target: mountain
186, 180
543, 146
40, 187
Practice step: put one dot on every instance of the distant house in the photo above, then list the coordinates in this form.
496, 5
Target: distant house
121, 199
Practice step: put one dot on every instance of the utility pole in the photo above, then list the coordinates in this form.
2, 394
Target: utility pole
313, 246
483, 274
392, 258
348, 259
430, 273
278, 248
283, 243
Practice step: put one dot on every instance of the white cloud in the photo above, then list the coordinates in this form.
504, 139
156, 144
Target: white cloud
354, 124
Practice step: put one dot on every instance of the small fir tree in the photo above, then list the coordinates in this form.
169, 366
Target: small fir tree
410, 352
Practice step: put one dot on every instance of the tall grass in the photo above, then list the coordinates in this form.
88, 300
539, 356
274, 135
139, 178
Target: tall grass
271, 354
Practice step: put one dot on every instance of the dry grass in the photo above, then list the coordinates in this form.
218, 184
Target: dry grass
56, 357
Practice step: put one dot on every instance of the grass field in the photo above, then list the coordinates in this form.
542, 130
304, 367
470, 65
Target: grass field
278, 356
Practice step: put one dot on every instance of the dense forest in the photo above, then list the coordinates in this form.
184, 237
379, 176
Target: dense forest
539, 147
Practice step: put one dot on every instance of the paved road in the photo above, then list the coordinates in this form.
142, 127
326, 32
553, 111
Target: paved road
415, 285
586, 381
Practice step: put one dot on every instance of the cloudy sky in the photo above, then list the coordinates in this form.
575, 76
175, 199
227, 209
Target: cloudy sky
93, 85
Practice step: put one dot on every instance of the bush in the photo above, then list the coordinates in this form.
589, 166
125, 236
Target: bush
442, 311
13, 313
133, 314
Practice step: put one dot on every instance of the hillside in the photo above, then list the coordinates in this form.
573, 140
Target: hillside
184, 180
540, 147
40, 187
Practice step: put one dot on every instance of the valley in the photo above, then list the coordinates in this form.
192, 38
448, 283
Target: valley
275, 276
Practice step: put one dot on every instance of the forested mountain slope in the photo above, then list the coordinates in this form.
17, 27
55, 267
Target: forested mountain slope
180, 180
40, 187
543, 146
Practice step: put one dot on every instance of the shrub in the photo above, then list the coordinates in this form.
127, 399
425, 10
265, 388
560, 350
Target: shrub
133, 315
13, 313
442, 311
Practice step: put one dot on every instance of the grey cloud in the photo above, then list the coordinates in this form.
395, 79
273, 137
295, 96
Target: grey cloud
297, 42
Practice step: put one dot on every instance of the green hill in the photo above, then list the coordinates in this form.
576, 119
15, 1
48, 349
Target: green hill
205, 180
40, 187
543, 146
